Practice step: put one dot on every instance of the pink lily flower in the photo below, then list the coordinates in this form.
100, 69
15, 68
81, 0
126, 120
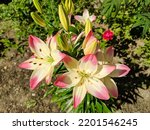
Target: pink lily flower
45, 58
84, 75
120, 70
82, 19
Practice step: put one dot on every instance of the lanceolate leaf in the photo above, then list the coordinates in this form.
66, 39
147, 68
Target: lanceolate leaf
110, 6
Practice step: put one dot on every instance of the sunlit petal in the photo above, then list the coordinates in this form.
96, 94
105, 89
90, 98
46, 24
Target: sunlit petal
53, 43
88, 64
57, 56
120, 71
89, 38
38, 75
38, 47
32, 63
104, 70
96, 88
67, 80
49, 76
79, 93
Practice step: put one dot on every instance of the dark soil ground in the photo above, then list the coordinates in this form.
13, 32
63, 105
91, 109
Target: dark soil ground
15, 95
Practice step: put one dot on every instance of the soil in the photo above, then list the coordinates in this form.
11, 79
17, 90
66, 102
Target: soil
16, 96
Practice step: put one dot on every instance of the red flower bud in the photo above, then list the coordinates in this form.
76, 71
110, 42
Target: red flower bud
108, 35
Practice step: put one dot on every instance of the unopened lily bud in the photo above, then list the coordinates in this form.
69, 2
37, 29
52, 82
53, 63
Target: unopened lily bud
63, 17
37, 19
62, 43
88, 26
69, 6
89, 44
37, 5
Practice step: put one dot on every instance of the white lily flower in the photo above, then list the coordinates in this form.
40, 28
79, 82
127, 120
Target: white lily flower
85, 17
84, 75
45, 58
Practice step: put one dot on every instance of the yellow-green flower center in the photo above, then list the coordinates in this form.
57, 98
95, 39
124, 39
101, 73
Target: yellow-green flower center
83, 74
50, 59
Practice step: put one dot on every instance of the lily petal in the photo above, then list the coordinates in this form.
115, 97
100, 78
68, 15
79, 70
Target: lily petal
88, 64
79, 93
38, 75
92, 18
111, 86
57, 56
70, 62
90, 47
32, 63
104, 70
89, 38
96, 88
67, 80
120, 71
49, 76
100, 56
53, 43
86, 14
109, 54
80, 19
38, 47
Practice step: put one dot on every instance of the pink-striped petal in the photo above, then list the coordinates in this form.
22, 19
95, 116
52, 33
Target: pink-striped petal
90, 47
70, 62
79, 93
67, 80
92, 18
89, 38
96, 88
104, 70
49, 76
57, 56
54, 42
38, 47
38, 75
88, 64
120, 71
111, 86
109, 54
80, 19
32, 63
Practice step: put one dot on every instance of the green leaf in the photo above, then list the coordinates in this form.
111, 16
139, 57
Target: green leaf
73, 29
105, 108
98, 107
110, 6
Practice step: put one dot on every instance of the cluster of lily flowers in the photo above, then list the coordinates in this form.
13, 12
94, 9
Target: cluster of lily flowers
91, 74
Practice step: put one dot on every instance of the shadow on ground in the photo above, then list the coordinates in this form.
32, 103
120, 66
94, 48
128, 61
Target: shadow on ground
130, 86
